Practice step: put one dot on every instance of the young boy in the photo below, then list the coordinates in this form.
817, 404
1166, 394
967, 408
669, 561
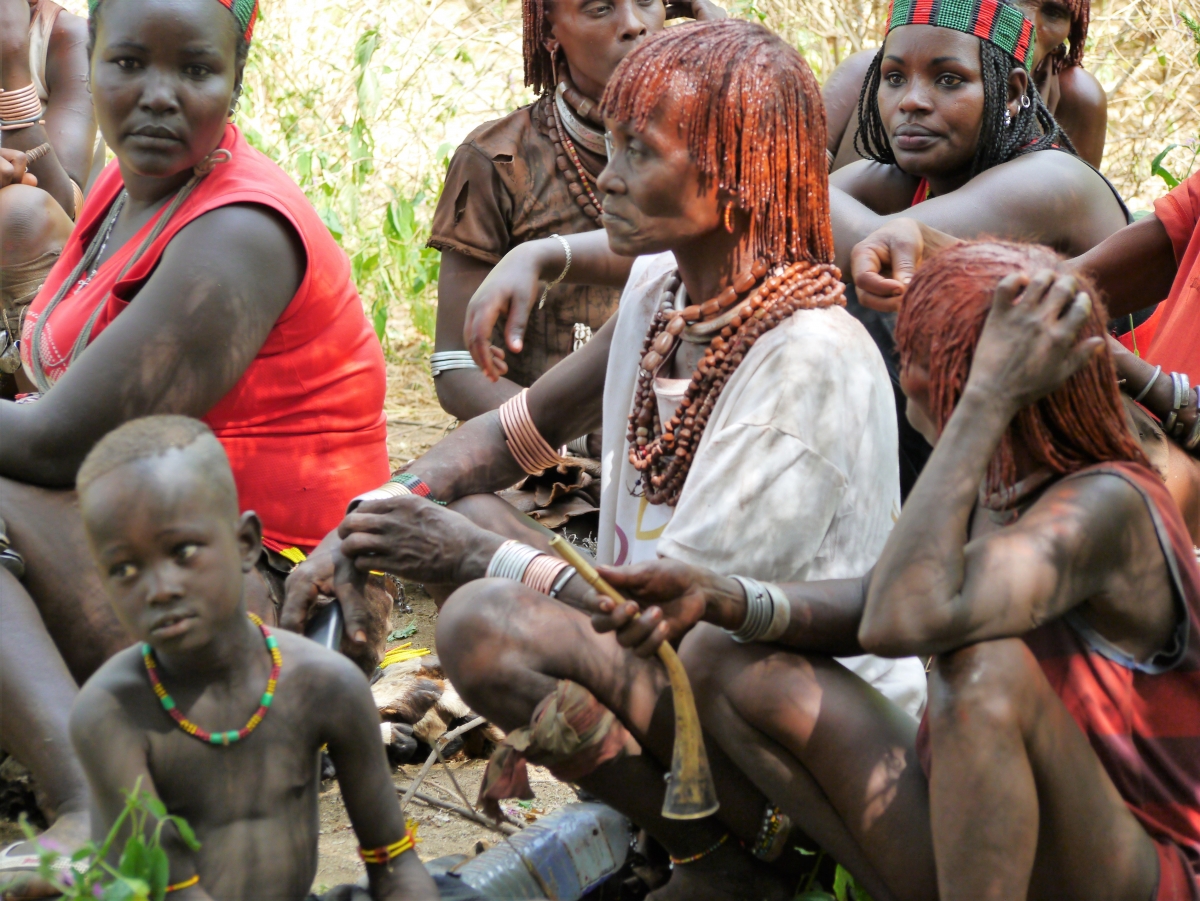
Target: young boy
218, 716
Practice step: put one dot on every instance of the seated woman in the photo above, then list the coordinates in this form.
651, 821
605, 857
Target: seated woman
47, 132
956, 129
529, 175
1043, 565
1072, 94
198, 281
731, 377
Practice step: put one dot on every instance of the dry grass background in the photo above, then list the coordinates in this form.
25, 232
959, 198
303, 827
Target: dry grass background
363, 102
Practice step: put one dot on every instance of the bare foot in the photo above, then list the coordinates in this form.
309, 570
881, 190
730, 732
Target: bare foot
69, 832
728, 874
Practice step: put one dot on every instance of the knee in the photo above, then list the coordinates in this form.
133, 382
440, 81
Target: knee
472, 630
984, 686
31, 224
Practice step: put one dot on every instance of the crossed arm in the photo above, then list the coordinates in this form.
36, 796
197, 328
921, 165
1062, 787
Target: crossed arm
182, 344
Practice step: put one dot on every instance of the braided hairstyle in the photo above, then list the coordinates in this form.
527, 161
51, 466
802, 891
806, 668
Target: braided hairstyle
750, 111
539, 63
1081, 14
1033, 128
1079, 424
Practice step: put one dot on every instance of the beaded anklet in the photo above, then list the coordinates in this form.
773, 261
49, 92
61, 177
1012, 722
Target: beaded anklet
180, 886
681, 861
221, 739
772, 836
390, 852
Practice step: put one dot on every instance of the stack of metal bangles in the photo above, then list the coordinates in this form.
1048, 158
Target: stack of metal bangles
1181, 398
521, 563
449, 360
20, 109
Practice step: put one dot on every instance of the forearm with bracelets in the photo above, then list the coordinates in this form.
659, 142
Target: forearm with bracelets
1170, 396
816, 617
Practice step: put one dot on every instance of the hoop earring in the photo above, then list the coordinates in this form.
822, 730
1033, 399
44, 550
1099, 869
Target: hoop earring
1025, 101
729, 217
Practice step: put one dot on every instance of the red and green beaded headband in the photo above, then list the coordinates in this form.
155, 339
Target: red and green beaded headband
245, 11
989, 20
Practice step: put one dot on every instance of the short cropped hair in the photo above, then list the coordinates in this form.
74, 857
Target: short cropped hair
142, 439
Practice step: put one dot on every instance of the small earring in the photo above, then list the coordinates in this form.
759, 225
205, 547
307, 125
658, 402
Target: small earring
729, 217
1025, 101
1007, 118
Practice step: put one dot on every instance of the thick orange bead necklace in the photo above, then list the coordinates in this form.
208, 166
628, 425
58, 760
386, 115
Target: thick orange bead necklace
737, 317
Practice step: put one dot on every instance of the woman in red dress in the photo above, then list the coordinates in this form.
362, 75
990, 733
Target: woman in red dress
198, 281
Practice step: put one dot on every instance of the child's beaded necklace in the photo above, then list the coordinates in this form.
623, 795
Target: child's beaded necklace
224, 739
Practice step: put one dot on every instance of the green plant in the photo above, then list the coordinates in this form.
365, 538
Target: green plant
143, 870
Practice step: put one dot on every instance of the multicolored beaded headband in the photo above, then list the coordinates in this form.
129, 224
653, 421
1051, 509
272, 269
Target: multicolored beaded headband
989, 20
245, 11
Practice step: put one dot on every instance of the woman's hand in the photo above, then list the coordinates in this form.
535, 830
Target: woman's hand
1029, 346
14, 167
883, 263
700, 10
667, 599
415, 538
513, 286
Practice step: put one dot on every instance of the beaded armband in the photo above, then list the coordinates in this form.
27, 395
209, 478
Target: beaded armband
521, 563
390, 852
400, 484
531, 451
180, 886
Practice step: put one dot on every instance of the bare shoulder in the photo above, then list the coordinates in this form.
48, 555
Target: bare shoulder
120, 684
317, 671
1097, 515
1081, 92
240, 230
847, 78
70, 28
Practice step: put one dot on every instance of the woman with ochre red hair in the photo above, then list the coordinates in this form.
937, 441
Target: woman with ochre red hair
200, 281
747, 422
1041, 563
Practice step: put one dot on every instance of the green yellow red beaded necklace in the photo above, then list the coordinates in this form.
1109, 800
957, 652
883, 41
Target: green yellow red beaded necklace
224, 739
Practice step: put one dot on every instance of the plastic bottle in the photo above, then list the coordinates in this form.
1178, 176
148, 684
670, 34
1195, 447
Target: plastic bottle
560, 857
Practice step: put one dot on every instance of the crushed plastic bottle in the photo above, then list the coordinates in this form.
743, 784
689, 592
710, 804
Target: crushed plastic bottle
560, 857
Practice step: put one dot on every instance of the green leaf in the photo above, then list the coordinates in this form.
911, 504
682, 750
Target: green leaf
186, 833
379, 318
365, 48
402, 633
159, 875
841, 884
368, 92
155, 806
1157, 168
134, 859
332, 222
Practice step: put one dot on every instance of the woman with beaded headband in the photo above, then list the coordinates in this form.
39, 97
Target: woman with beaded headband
953, 129
531, 174
198, 280
47, 136
1072, 94
747, 422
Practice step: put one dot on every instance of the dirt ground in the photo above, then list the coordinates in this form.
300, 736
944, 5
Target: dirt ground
415, 423
442, 833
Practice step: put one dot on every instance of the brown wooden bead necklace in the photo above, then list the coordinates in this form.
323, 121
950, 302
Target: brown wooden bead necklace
738, 316
580, 182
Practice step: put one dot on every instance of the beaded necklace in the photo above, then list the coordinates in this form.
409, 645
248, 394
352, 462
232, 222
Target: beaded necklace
223, 739
738, 316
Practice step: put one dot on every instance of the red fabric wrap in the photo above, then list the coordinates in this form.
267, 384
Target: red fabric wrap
570, 733
304, 426
1171, 336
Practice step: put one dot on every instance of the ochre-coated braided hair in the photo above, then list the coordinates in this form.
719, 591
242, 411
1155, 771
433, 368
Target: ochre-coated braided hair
1080, 424
539, 65
1081, 14
751, 114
